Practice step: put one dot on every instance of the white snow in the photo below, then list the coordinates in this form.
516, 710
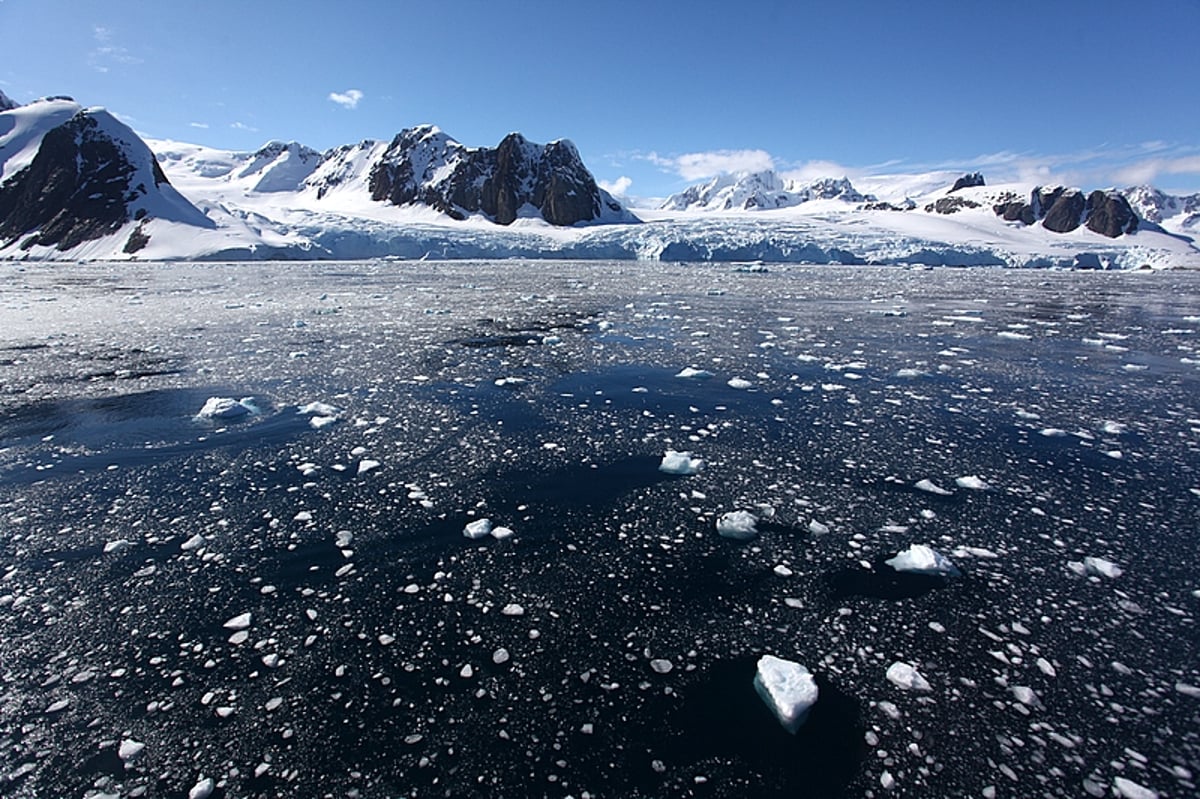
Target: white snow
788, 688
681, 463
906, 677
740, 525
922, 559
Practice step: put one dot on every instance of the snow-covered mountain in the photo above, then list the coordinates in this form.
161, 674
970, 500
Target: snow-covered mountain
71, 175
760, 191
77, 183
6, 102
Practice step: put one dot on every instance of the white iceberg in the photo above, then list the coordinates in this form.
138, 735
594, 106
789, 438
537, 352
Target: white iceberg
319, 413
920, 559
740, 383
739, 525
931, 487
227, 408
904, 676
690, 373
680, 463
480, 528
1101, 567
788, 689
972, 482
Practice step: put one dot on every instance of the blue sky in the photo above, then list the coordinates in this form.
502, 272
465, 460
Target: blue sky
655, 95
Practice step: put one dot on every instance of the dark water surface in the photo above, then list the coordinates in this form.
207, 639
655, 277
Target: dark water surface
387, 654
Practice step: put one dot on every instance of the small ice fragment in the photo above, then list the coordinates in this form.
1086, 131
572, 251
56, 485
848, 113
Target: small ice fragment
680, 463
972, 482
319, 413
739, 525
239, 622
501, 533
129, 749
120, 545
920, 559
661, 666
816, 528
1025, 695
195, 542
787, 688
480, 528
271, 660
500, 656
1046, 667
366, 465
933, 488
466, 672
739, 383
202, 789
1053, 432
690, 373
1188, 690
1132, 790
512, 609
227, 408
1101, 567
783, 571
904, 676
57, 706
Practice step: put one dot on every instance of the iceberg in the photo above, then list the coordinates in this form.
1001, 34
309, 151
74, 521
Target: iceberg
739, 525
227, 408
904, 676
680, 463
788, 689
920, 559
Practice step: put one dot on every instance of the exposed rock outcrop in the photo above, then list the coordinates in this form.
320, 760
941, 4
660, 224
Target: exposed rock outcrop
1062, 210
1109, 214
518, 178
968, 181
6, 102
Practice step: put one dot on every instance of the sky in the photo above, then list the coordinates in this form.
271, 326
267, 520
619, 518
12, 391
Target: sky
656, 95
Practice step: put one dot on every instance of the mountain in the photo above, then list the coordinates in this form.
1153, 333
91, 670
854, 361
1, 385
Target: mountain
760, 191
7, 103
72, 175
1062, 210
1174, 213
516, 179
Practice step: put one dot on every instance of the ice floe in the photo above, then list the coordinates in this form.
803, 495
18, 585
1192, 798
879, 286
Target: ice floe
906, 677
921, 559
227, 408
788, 689
691, 373
681, 463
740, 525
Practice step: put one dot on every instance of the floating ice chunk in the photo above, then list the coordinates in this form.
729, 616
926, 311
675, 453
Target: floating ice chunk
239, 622
320, 413
120, 545
1053, 432
1188, 690
195, 542
129, 749
500, 656
366, 465
510, 382
680, 463
788, 689
1046, 667
1113, 428
741, 384
1132, 790
661, 666
512, 609
739, 525
910, 373
1026, 696
271, 660
501, 533
904, 676
689, 373
227, 408
202, 789
972, 482
57, 706
931, 487
480, 528
816, 528
783, 571
920, 559
1100, 567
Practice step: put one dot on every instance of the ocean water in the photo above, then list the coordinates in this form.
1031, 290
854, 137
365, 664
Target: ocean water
1041, 430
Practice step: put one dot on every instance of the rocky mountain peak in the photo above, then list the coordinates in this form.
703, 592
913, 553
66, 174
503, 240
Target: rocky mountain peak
7, 103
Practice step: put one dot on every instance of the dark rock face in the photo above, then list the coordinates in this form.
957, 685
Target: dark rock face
950, 205
1109, 214
424, 166
1063, 210
967, 181
7, 103
76, 188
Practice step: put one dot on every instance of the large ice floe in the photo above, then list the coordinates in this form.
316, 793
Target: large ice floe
788, 688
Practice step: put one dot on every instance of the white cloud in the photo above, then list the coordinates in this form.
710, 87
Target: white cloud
618, 187
243, 126
698, 166
201, 125
1149, 170
814, 170
347, 99
107, 54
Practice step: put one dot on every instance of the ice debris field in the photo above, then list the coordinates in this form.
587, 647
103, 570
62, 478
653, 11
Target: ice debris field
601, 529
